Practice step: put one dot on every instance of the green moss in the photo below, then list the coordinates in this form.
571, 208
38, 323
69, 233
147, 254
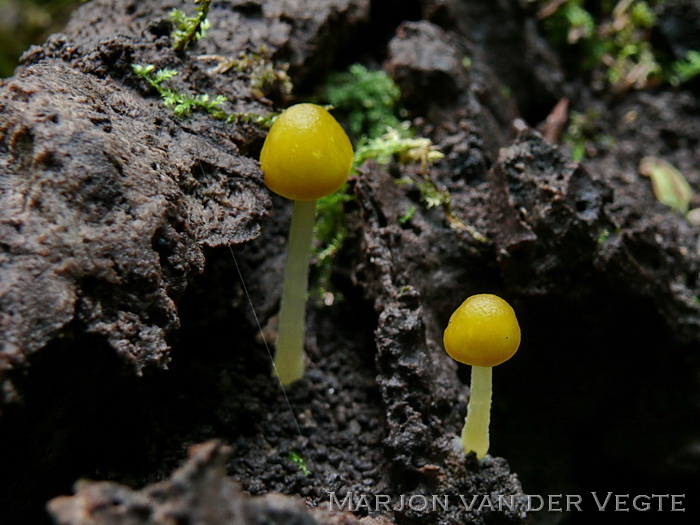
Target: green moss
686, 69
183, 104
366, 100
369, 103
398, 142
582, 132
603, 236
609, 39
295, 458
189, 29
401, 144
330, 232
407, 216
585, 134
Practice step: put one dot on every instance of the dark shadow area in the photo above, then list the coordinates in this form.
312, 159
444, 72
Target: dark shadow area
368, 44
597, 399
83, 415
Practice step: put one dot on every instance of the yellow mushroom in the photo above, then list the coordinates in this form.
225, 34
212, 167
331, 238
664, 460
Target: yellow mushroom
306, 155
483, 332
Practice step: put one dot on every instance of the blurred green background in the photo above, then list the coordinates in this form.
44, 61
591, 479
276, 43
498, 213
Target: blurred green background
27, 22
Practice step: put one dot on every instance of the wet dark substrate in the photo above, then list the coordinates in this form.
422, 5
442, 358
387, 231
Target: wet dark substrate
602, 395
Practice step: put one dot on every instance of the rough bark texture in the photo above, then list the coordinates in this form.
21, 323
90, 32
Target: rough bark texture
127, 332
198, 492
107, 198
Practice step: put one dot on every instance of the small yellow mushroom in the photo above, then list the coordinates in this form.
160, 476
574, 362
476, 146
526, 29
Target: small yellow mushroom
483, 332
306, 155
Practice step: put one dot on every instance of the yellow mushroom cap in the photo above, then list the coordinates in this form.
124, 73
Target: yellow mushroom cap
483, 331
306, 154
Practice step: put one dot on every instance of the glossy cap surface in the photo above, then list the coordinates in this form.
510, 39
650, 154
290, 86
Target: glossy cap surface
306, 154
483, 331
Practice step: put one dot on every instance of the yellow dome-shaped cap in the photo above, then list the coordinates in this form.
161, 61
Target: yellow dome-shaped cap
306, 154
483, 331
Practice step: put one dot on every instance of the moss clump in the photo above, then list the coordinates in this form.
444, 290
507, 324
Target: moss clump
368, 100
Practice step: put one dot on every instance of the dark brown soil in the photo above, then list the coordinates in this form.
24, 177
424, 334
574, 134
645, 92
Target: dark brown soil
140, 253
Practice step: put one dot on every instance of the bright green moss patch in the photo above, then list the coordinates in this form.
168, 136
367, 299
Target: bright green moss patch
687, 69
189, 29
369, 102
367, 99
396, 142
295, 458
183, 104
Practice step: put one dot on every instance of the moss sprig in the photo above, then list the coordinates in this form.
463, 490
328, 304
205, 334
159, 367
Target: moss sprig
184, 104
686, 69
400, 142
584, 134
189, 29
330, 232
397, 141
295, 458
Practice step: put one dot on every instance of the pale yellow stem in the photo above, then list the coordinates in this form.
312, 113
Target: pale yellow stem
475, 434
289, 358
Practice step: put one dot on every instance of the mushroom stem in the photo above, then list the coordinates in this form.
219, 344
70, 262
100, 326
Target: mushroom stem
475, 434
289, 358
